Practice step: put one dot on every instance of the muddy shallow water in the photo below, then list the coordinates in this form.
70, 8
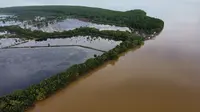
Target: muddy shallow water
161, 76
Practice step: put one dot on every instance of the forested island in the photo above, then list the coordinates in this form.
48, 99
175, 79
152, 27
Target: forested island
136, 20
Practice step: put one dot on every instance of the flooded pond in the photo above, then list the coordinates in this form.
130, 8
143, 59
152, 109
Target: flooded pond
59, 26
161, 76
97, 42
70, 24
21, 68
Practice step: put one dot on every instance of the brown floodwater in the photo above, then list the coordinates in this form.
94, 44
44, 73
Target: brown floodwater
161, 76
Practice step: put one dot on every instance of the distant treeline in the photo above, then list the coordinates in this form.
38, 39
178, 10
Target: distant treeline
21, 100
134, 19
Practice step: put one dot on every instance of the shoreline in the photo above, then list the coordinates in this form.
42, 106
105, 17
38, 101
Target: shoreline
111, 62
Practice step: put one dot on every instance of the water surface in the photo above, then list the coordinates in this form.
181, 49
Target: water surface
161, 76
21, 67
5, 42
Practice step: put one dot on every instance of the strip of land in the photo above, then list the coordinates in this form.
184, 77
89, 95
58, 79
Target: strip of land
24, 47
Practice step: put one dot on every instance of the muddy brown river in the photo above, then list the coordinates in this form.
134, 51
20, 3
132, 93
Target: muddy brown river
161, 76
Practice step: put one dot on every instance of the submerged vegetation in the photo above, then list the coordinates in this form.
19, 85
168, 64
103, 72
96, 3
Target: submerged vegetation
20, 100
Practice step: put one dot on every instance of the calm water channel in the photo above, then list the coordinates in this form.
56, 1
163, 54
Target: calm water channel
161, 76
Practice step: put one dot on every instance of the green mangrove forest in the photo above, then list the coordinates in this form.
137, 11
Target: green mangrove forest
21, 100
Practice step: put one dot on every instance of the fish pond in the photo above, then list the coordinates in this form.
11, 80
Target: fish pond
22, 66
